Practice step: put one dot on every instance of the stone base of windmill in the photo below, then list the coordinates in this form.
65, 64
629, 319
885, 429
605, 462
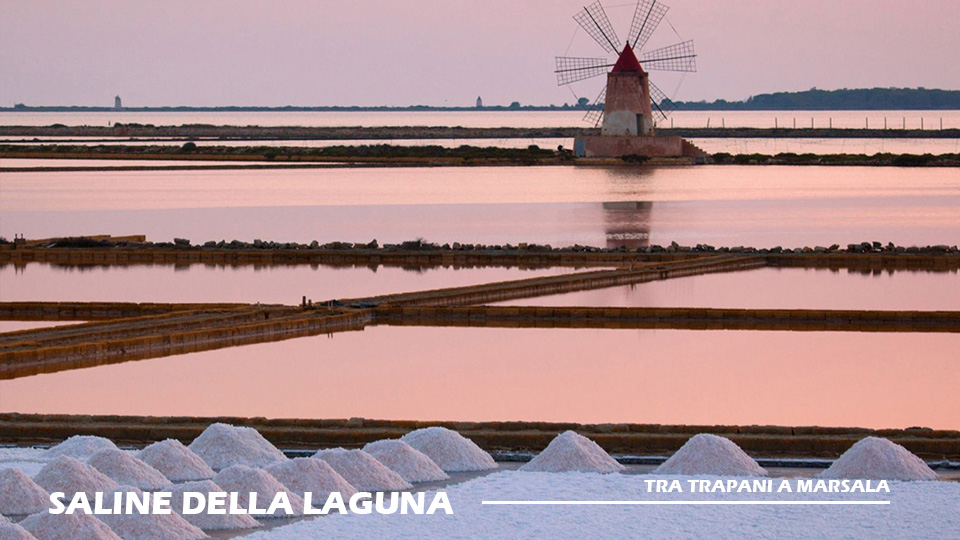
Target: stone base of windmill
618, 146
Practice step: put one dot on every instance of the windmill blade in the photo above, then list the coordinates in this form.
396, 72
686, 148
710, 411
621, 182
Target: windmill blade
593, 19
646, 19
661, 103
679, 57
572, 69
595, 113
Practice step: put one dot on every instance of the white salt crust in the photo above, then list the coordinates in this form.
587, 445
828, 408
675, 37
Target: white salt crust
874, 458
411, 464
20, 495
709, 454
209, 522
223, 445
362, 470
127, 470
70, 476
245, 480
175, 461
76, 526
13, 531
80, 447
137, 526
572, 452
451, 451
301, 475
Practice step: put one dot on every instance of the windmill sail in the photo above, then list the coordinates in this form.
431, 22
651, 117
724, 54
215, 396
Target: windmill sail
572, 69
679, 57
646, 19
661, 103
593, 19
595, 113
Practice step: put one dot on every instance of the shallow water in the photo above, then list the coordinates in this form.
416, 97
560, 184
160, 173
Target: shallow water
719, 205
570, 375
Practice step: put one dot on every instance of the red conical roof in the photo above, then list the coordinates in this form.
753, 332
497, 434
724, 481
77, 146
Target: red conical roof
627, 61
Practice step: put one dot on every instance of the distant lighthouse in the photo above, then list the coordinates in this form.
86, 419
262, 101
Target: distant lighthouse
479, 103
117, 105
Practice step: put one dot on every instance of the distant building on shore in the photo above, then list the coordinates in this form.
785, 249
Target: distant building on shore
479, 103
117, 105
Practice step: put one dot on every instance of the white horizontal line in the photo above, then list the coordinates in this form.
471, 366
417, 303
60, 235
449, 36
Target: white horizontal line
621, 503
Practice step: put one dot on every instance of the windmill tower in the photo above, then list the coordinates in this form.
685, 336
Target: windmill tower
630, 104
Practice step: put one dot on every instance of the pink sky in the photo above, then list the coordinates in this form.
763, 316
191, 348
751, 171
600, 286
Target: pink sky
446, 52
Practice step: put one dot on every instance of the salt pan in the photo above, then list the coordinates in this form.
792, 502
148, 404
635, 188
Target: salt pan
125, 469
136, 526
301, 475
223, 445
20, 495
450, 450
874, 458
713, 455
572, 452
76, 526
362, 470
175, 461
204, 520
71, 476
403, 459
245, 480
80, 447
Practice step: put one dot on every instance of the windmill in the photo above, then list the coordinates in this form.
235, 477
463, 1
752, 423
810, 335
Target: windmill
630, 102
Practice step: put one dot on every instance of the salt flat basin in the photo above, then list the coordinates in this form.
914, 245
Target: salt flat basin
873, 380
247, 284
718, 205
778, 288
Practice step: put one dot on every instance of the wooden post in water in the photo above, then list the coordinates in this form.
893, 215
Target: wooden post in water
921, 123
794, 122
723, 123
811, 123
904, 122
777, 126
831, 122
867, 124
671, 123
884, 122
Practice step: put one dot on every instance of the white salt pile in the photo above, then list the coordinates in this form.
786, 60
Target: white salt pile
125, 469
136, 526
76, 526
20, 495
12, 531
71, 476
204, 520
572, 452
874, 458
80, 447
710, 454
300, 475
223, 445
245, 480
450, 450
362, 470
411, 464
175, 461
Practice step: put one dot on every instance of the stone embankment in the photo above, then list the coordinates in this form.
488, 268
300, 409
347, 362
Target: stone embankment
621, 439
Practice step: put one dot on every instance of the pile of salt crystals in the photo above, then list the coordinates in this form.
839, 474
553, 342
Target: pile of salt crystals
451, 451
362, 470
411, 464
301, 475
12, 531
20, 495
80, 447
75, 526
175, 461
572, 452
205, 520
874, 458
709, 454
245, 480
223, 445
136, 526
127, 470
71, 476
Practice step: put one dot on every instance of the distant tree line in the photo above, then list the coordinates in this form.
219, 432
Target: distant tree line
868, 99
